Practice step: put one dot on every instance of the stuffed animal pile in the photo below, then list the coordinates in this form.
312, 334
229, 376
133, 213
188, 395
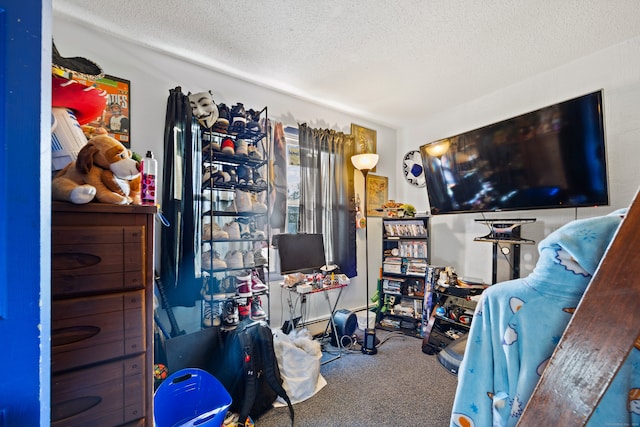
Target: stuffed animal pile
104, 170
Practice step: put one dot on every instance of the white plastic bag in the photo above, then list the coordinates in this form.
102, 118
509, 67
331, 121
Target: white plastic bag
298, 358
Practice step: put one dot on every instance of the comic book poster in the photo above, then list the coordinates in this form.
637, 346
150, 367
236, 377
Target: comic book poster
116, 115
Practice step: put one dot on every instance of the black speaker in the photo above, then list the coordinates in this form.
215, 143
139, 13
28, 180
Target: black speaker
346, 323
369, 344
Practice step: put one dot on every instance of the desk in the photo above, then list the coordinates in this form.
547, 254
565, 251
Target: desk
325, 290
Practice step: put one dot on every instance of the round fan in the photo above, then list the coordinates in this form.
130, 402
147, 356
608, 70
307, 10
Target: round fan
413, 170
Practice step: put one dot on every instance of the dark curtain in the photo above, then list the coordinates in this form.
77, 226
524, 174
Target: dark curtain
180, 244
327, 196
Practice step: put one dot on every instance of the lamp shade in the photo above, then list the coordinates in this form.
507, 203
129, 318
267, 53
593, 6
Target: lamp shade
438, 148
365, 161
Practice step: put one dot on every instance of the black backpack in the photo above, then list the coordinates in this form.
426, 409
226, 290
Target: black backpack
249, 370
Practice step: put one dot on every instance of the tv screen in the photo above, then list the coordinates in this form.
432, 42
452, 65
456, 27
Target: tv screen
553, 157
300, 252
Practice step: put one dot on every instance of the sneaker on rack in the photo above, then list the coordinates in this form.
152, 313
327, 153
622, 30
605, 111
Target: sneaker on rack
230, 314
210, 142
231, 171
253, 152
257, 312
211, 261
233, 230
241, 147
238, 118
234, 259
245, 227
247, 259
222, 123
256, 205
207, 176
258, 258
228, 286
258, 234
227, 146
220, 177
213, 232
211, 287
245, 175
212, 312
243, 286
244, 308
257, 285
207, 314
253, 120
243, 201
258, 180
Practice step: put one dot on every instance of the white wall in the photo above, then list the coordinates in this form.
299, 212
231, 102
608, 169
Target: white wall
616, 70
153, 74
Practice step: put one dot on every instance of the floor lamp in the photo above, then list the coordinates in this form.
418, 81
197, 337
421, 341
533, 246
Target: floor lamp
364, 163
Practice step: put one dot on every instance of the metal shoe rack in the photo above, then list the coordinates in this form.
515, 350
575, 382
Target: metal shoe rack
225, 200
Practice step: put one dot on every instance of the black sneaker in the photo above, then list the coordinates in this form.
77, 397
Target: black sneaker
258, 180
253, 120
257, 312
230, 317
245, 175
238, 118
222, 124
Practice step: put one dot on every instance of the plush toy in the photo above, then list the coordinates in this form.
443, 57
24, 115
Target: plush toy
104, 170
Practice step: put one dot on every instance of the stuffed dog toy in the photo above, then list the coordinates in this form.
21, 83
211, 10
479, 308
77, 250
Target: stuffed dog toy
104, 170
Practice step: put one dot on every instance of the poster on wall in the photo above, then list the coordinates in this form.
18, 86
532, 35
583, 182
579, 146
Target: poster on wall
116, 115
365, 140
377, 194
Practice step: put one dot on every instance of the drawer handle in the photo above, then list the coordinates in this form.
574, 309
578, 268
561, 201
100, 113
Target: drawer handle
74, 407
73, 334
69, 261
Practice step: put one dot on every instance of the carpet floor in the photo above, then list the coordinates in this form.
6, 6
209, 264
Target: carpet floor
398, 386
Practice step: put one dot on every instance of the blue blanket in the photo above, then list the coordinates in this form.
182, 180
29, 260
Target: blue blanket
518, 324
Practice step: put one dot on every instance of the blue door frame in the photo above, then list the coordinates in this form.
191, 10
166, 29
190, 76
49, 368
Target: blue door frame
25, 212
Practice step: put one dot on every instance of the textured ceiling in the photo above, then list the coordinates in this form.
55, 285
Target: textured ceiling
392, 62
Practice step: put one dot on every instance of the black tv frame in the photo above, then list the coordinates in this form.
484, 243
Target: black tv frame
553, 157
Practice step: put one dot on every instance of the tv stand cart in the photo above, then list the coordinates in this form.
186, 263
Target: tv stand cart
505, 231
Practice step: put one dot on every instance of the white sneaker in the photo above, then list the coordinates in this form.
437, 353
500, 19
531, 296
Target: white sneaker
258, 258
241, 147
258, 235
254, 153
243, 201
208, 173
247, 259
256, 205
234, 259
212, 261
233, 230
213, 232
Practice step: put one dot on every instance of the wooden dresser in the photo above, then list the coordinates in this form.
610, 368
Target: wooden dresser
102, 315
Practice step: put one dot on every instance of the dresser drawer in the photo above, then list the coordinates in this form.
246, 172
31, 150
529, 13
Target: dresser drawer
97, 328
106, 395
87, 260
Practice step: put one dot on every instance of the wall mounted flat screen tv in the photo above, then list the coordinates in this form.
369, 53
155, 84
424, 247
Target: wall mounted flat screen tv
553, 157
302, 252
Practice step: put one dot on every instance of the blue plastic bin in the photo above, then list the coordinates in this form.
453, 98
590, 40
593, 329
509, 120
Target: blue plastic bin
190, 397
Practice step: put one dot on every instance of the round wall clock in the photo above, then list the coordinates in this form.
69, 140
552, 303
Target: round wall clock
413, 170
